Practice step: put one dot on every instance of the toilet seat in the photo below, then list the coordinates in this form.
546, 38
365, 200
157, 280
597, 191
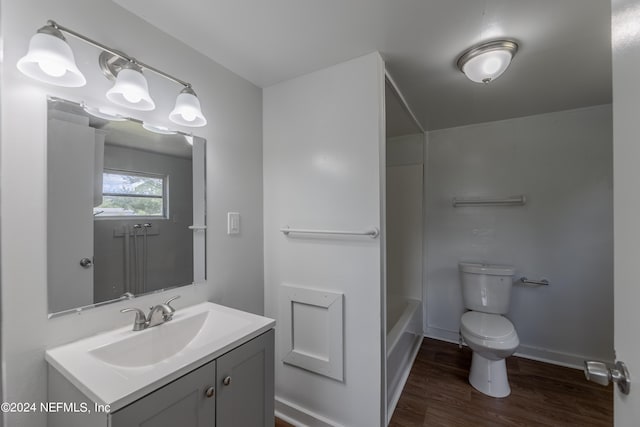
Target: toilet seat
487, 327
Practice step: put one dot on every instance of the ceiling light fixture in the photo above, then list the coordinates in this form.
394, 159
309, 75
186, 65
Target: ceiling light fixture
486, 62
50, 59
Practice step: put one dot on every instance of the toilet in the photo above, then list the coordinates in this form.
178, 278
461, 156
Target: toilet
486, 292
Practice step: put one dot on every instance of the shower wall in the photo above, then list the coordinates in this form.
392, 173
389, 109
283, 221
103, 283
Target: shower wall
170, 243
404, 222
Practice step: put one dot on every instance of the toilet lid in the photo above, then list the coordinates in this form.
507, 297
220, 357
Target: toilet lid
491, 327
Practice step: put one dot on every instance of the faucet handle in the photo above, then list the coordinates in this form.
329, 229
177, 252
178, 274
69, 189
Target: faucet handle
171, 300
140, 322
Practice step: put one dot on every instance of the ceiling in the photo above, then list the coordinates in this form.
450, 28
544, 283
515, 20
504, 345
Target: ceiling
564, 60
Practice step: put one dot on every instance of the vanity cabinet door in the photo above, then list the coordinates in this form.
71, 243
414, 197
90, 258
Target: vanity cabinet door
245, 384
184, 402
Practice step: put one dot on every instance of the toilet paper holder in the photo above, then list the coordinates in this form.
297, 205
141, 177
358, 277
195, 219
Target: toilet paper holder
541, 282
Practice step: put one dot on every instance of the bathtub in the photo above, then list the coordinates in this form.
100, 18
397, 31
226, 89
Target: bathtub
404, 336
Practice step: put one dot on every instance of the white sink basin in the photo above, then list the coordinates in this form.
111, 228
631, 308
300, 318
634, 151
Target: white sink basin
151, 345
118, 367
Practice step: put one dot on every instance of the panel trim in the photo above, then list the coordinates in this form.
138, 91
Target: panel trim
297, 415
332, 366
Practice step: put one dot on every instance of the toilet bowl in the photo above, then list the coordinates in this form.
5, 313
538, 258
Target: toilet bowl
492, 338
486, 291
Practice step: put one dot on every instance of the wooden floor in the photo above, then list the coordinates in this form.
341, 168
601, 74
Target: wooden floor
438, 394
280, 423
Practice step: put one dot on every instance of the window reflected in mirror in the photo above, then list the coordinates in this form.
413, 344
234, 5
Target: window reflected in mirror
131, 193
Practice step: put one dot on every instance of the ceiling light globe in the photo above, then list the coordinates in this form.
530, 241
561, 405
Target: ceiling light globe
50, 60
487, 62
487, 67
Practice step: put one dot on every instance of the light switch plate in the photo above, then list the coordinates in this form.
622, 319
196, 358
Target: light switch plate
233, 222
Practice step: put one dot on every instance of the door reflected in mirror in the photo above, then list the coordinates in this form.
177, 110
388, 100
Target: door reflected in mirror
125, 208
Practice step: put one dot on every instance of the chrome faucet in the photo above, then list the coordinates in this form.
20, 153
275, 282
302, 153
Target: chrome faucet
159, 314
140, 322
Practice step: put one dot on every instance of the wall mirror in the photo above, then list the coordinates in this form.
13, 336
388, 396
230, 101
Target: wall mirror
125, 208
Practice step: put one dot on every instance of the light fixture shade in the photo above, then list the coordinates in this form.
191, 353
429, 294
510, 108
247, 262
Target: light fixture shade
487, 62
104, 114
50, 60
162, 130
187, 111
131, 90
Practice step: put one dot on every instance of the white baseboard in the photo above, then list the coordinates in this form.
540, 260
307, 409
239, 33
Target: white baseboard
299, 416
568, 360
442, 334
405, 376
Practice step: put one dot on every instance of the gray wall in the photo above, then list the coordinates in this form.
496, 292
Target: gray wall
404, 222
562, 162
233, 107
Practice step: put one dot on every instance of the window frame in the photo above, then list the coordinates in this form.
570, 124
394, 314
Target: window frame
164, 197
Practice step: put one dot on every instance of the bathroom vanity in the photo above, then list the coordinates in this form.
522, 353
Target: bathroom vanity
211, 365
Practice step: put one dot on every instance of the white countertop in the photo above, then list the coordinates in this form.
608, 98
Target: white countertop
117, 385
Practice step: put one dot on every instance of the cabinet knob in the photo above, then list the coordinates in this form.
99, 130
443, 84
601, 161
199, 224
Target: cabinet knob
226, 380
209, 392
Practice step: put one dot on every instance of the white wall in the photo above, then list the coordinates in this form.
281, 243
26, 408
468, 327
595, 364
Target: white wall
324, 169
234, 175
562, 162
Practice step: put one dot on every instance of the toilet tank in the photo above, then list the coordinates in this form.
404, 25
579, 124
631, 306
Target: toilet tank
486, 288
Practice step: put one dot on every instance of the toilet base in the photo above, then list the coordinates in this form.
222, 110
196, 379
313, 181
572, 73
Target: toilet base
489, 376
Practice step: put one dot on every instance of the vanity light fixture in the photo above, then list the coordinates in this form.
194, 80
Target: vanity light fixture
162, 130
50, 60
486, 62
187, 110
101, 113
131, 89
